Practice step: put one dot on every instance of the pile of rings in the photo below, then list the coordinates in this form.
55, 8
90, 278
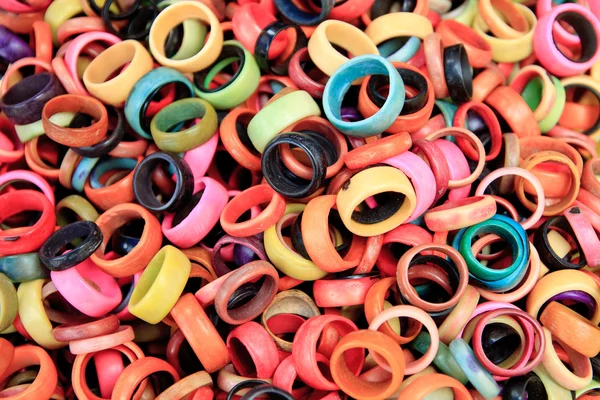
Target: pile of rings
299, 199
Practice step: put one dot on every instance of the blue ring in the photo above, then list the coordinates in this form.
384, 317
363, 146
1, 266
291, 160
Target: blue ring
512, 280
300, 17
276, 86
145, 88
341, 81
394, 52
109, 165
83, 170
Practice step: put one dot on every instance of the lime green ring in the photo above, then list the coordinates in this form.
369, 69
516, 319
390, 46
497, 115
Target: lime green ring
27, 132
557, 109
278, 115
466, 16
553, 389
177, 112
238, 90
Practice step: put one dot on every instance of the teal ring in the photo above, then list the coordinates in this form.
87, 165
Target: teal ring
394, 51
486, 277
340, 82
109, 165
145, 89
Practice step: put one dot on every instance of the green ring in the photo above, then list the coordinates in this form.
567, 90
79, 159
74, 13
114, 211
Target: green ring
532, 94
178, 112
444, 360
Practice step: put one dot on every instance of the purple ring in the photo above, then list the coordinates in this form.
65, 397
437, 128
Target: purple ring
251, 243
577, 296
12, 47
350, 113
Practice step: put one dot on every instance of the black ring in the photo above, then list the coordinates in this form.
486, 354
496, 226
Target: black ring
528, 386
585, 30
266, 38
331, 153
382, 7
139, 25
124, 239
300, 17
107, 145
173, 41
499, 341
228, 51
272, 392
547, 254
373, 274
97, 10
250, 383
242, 295
49, 252
142, 182
458, 73
125, 302
114, 17
410, 78
596, 366
281, 179
388, 204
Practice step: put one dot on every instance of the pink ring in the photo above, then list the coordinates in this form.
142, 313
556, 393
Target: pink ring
544, 7
74, 285
75, 48
16, 7
459, 168
199, 158
539, 190
31, 177
490, 306
420, 176
203, 217
586, 236
545, 48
